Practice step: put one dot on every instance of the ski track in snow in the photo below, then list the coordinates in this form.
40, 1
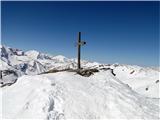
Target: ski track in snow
66, 95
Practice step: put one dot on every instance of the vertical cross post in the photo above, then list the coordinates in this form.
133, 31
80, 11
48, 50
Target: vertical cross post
1, 74
79, 50
79, 44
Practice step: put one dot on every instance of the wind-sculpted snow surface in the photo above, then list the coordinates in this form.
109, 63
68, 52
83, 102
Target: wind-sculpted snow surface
67, 95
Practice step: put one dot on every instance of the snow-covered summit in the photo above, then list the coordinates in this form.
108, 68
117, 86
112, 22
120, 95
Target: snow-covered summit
60, 58
66, 95
33, 54
142, 80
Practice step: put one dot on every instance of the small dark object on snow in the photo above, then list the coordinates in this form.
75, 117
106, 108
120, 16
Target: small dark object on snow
0, 74
53, 84
132, 72
113, 72
87, 72
7, 84
147, 89
157, 81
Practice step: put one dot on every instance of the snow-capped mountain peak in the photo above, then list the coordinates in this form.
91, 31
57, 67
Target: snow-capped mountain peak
33, 54
60, 58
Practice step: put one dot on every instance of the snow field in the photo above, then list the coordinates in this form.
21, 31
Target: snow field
66, 95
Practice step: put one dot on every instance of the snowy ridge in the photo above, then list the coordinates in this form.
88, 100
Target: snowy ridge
143, 80
115, 92
68, 96
32, 54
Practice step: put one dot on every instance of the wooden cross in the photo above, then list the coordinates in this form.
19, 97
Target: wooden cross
79, 44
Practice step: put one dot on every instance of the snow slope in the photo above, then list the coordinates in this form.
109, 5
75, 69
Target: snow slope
66, 95
143, 80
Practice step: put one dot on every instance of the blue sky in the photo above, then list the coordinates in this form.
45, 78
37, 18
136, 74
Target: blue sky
121, 32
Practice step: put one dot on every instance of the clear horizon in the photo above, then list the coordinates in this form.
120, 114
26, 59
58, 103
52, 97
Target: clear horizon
115, 32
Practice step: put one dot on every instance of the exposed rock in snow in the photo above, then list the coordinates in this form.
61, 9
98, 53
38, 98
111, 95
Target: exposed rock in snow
9, 77
44, 56
35, 67
32, 68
